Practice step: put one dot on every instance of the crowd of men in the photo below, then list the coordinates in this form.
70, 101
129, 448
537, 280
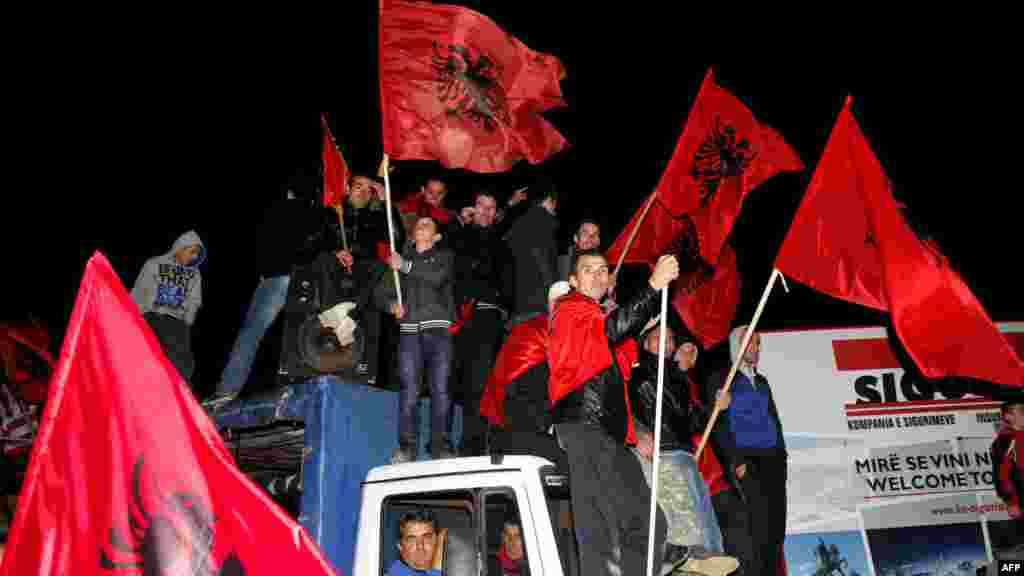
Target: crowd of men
543, 357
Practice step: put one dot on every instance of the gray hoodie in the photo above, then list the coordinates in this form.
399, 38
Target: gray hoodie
166, 287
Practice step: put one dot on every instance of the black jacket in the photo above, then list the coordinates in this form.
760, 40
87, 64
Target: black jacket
426, 289
602, 399
479, 257
533, 265
294, 232
365, 227
679, 419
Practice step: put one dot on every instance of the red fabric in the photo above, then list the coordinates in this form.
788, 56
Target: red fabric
709, 309
578, 350
458, 89
383, 251
706, 304
335, 169
653, 238
463, 314
1013, 457
525, 347
102, 462
850, 240
416, 204
19, 343
699, 182
509, 567
708, 464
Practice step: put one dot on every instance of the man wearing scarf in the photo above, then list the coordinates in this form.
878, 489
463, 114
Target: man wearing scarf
749, 434
593, 421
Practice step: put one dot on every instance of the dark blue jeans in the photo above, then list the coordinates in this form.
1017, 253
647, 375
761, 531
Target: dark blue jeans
427, 353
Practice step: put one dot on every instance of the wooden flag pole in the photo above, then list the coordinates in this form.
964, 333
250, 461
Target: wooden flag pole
651, 558
736, 362
632, 234
385, 167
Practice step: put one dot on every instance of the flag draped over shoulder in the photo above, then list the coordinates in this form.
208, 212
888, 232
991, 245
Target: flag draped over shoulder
129, 475
458, 89
850, 239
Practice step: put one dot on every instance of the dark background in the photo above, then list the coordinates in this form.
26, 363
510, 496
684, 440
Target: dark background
120, 146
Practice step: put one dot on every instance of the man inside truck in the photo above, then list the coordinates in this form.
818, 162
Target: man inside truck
418, 549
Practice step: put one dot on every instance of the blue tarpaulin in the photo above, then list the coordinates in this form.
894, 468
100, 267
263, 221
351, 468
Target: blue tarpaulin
349, 429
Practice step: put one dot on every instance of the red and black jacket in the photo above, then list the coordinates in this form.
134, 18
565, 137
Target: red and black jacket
1008, 466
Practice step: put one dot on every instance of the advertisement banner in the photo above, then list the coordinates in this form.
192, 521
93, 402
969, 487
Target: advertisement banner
880, 458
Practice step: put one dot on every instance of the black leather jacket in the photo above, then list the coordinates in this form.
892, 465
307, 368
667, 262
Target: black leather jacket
364, 227
677, 419
602, 399
479, 257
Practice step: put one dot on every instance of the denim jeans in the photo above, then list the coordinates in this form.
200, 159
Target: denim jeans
426, 353
685, 499
267, 302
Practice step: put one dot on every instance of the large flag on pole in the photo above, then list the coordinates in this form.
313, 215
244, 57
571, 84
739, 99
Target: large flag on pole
723, 154
849, 239
458, 89
128, 475
335, 168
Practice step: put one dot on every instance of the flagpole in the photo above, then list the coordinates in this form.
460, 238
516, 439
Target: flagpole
340, 209
739, 356
385, 167
651, 558
632, 235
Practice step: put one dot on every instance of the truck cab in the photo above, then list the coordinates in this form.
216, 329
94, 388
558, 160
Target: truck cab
471, 498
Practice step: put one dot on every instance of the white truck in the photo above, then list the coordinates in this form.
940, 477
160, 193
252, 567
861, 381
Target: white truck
471, 499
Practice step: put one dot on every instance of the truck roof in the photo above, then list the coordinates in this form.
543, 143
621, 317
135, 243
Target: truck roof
453, 466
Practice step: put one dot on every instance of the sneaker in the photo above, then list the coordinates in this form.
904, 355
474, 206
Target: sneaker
698, 560
403, 454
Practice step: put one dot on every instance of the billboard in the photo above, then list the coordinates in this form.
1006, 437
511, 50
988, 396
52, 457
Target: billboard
881, 460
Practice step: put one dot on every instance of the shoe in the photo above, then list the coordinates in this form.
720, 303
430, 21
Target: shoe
362, 369
403, 454
447, 452
698, 560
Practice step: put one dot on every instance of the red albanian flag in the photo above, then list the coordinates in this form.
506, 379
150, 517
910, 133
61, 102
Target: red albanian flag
458, 89
128, 475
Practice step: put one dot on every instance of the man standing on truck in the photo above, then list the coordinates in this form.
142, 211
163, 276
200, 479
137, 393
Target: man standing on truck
610, 498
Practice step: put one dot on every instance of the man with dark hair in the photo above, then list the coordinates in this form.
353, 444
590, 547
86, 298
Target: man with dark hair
694, 539
587, 387
428, 202
417, 545
424, 341
510, 559
478, 261
534, 256
1008, 469
366, 233
586, 237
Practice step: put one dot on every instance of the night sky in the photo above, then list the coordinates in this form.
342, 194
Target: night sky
123, 156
